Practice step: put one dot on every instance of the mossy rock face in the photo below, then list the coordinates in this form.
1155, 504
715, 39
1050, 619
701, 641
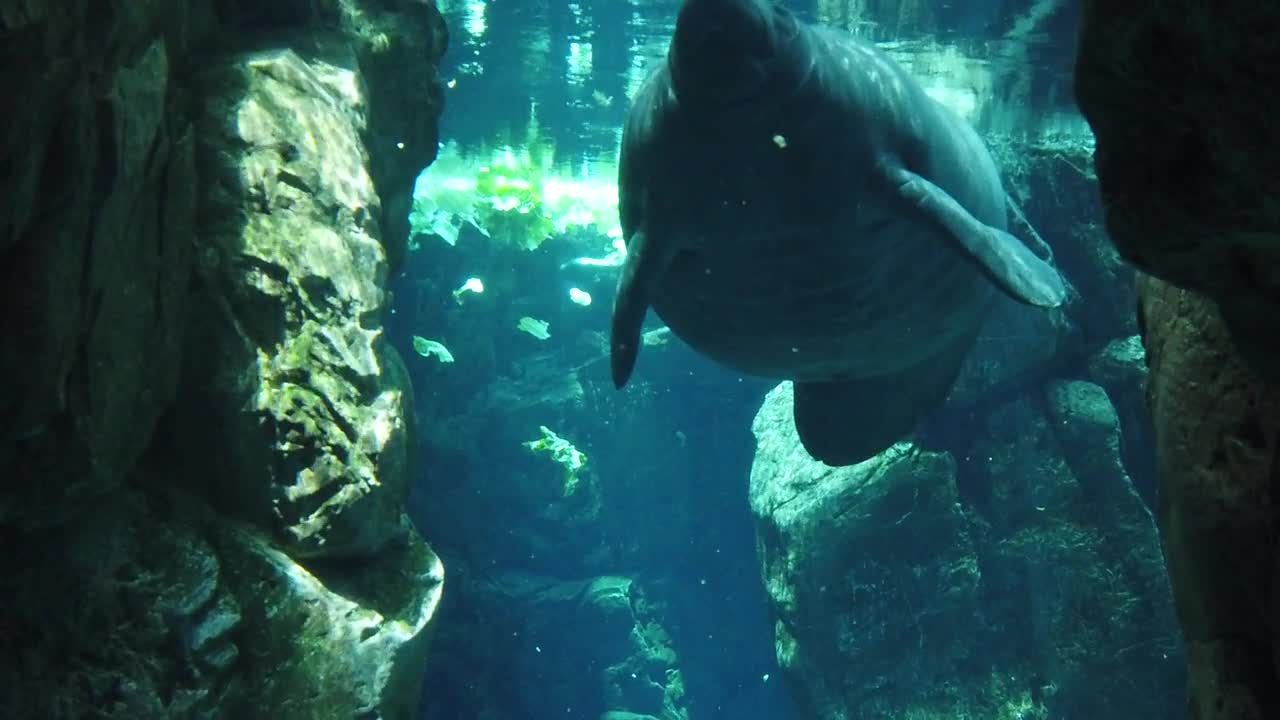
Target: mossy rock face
288, 374
122, 616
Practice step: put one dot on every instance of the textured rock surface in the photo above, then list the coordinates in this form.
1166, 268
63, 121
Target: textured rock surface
158, 609
591, 648
1051, 178
350, 645
842, 550
100, 202
1120, 367
286, 344
127, 594
1217, 429
1177, 93
1019, 577
1055, 210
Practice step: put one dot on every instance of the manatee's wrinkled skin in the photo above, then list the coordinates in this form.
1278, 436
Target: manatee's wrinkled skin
797, 207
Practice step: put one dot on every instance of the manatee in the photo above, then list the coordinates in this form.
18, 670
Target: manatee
795, 206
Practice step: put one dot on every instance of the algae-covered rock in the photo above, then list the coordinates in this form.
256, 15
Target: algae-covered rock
871, 571
288, 374
1216, 425
352, 643
1120, 367
1017, 577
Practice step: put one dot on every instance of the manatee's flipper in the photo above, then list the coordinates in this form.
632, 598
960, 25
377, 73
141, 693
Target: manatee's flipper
640, 272
1002, 257
845, 422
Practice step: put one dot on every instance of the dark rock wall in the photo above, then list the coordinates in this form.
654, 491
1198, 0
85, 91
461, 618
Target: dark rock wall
96, 235
1180, 96
129, 588
1018, 577
1218, 430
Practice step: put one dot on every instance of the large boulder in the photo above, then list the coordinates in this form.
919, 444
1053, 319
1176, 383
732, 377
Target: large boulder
1180, 95
1217, 428
287, 376
340, 644
871, 572
1017, 577
95, 235
154, 566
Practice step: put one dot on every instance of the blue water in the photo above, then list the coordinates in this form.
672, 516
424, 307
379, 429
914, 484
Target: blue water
676, 451
513, 59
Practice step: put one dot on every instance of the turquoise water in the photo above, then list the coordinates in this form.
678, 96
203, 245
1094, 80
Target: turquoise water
1033, 586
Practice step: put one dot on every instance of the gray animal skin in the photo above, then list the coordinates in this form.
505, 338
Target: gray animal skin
795, 206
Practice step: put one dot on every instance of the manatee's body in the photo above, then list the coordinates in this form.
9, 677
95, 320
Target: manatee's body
795, 206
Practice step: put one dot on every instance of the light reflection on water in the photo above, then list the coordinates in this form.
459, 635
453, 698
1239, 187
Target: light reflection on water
563, 70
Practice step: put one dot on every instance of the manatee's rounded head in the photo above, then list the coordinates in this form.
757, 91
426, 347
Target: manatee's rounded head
722, 51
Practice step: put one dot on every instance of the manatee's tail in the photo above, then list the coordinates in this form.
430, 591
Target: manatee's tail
640, 272
844, 422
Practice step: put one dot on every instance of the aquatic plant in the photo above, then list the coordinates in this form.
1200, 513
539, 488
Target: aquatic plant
516, 196
563, 453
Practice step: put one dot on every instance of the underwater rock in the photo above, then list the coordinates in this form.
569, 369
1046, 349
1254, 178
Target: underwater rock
352, 644
288, 378
586, 647
99, 210
1018, 577
123, 598
871, 572
1121, 363
1216, 433
1180, 95
125, 615
1076, 559
1120, 367
1016, 346
1051, 178
1188, 182
399, 45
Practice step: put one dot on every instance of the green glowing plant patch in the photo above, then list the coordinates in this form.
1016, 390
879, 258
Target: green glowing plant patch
570, 458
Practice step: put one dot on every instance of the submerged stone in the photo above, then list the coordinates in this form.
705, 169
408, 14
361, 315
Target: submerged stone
1020, 577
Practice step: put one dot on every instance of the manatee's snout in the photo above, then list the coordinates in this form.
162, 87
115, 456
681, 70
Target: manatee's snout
717, 25
722, 48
